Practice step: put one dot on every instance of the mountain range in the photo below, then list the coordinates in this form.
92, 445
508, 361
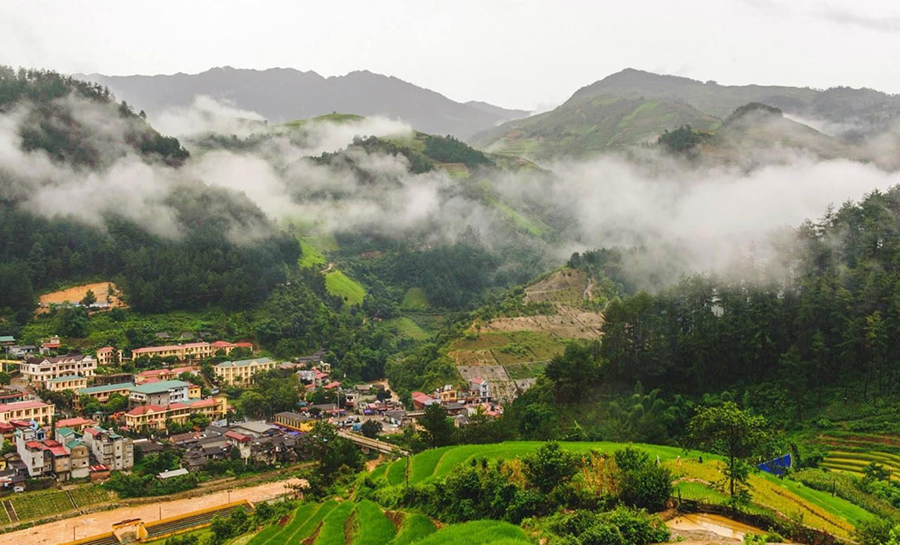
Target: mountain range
633, 107
286, 94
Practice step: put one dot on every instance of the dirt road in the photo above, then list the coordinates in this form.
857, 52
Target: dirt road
100, 522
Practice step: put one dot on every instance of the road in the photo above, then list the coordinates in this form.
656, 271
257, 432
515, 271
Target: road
62, 531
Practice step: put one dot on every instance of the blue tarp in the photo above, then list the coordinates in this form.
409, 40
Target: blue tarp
776, 466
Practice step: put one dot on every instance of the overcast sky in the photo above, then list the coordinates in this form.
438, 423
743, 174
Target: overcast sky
514, 53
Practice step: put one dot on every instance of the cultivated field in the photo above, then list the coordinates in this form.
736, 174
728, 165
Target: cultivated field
76, 294
364, 523
695, 480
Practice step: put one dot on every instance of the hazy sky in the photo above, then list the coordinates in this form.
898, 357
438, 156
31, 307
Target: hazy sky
514, 53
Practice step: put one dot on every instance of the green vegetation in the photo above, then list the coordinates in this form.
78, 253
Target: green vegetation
374, 527
413, 528
332, 531
310, 256
414, 299
344, 287
42, 504
586, 125
333, 117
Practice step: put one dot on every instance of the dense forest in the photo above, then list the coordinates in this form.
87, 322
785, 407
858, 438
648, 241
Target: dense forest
205, 265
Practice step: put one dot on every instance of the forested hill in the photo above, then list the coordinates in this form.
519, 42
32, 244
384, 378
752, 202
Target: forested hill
823, 321
285, 94
90, 190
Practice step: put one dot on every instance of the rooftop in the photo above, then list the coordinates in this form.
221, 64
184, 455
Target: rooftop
105, 388
243, 363
22, 405
70, 422
159, 387
65, 378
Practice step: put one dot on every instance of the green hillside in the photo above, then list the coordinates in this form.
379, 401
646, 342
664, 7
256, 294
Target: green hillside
365, 523
694, 480
585, 125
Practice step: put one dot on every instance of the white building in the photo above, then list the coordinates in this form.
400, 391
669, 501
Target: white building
164, 392
41, 370
109, 449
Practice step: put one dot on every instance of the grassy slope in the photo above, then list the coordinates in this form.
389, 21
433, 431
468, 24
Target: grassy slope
414, 299
413, 528
344, 287
374, 527
406, 328
696, 480
331, 118
590, 124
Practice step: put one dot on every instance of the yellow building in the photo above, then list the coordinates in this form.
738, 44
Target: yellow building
102, 393
67, 382
241, 372
294, 421
27, 410
194, 391
155, 417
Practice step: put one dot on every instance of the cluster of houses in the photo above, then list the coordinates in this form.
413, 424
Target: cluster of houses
12, 349
461, 404
75, 449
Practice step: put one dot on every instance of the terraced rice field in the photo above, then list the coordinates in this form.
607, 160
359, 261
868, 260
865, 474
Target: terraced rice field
364, 523
696, 480
852, 453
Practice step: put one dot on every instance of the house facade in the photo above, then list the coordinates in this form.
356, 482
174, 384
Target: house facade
164, 392
66, 382
241, 371
39, 371
28, 410
155, 417
109, 449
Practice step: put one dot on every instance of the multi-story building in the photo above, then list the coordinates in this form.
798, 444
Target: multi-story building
109, 449
164, 392
40, 370
102, 393
164, 374
42, 456
27, 410
481, 388
241, 372
155, 417
188, 351
67, 382
108, 356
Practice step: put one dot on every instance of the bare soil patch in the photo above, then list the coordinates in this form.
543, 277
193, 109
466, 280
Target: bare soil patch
76, 294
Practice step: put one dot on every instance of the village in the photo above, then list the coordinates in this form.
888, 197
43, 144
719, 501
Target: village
78, 418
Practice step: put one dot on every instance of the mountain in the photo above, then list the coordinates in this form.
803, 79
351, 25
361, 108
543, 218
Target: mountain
859, 111
634, 107
588, 124
285, 94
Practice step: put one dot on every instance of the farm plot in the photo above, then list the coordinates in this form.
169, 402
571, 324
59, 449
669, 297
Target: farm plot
41, 504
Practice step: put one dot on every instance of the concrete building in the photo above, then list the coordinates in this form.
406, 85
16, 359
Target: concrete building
241, 372
164, 392
188, 351
108, 356
155, 417
27, 410
481, 388
67, 382
42, 456
40, 370
294, 421
102, 393
109, 449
